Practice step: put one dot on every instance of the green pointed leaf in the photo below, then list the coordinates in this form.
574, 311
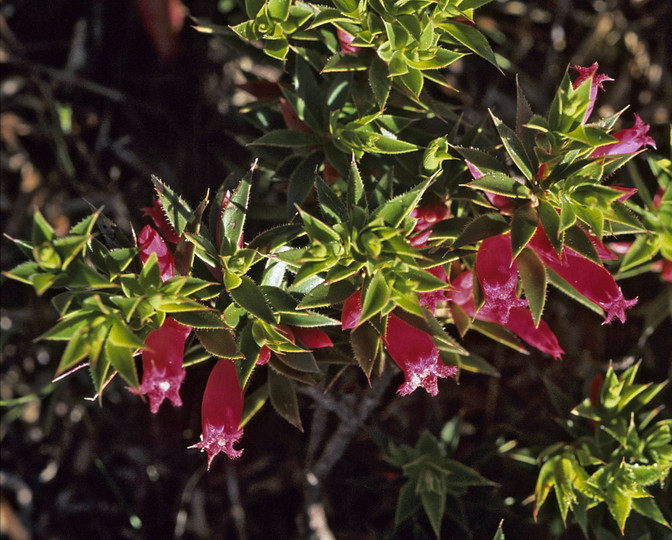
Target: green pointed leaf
375, 296
283, 398
276, 48
471, 362
551, 223
333, 209
619, 505
515, 149
99, 371
387, 145
462, 475
567, 213
481, 228
301, 181
380, 81
499, 334
253, 404
434, 504
413, 79
395, 210
67, 327
218, 342
366, 345
346, 62
318, 230
232, 217
177, 210
311, 269
648, 508
303, 361
577, 239
533, 277
82, 275
501, 184
121, 359
286, 138
252, 7
408, 503
42, 231
356, 195
523, 226
470, 38
118, 260
275, 237
24, 272
122, 336
248, 296
77, 349
199, 319
328, 294
641, 251
483, 161
69, 247
42, 282
545, 483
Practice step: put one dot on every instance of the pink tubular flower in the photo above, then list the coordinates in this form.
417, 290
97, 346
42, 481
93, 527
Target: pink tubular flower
162, 371
630, 140
519, 321
665, 267
415, 353
497, 272
591, 280
264, 356
426, 217
158, 215
586, 73
150, 241
221, 412
345, 39
352, 311
313, 338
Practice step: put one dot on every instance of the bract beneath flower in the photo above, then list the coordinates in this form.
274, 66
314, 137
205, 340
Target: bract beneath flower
415, 353
221, 412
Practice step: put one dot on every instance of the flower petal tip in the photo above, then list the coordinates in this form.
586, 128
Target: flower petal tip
216, 440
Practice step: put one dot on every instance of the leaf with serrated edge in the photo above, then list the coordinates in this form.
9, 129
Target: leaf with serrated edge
176, 210
533, 277
218, 342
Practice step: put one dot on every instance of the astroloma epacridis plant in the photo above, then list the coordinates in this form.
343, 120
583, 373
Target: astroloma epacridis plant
395, 239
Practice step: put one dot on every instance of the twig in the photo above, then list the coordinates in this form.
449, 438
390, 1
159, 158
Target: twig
333, 450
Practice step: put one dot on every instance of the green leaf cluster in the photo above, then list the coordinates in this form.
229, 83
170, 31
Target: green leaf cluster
620, 459
432, 480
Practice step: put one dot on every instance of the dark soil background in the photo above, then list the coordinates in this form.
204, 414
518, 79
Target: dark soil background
89, 111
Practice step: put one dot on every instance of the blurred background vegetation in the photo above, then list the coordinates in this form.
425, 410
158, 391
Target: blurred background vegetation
94, 101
